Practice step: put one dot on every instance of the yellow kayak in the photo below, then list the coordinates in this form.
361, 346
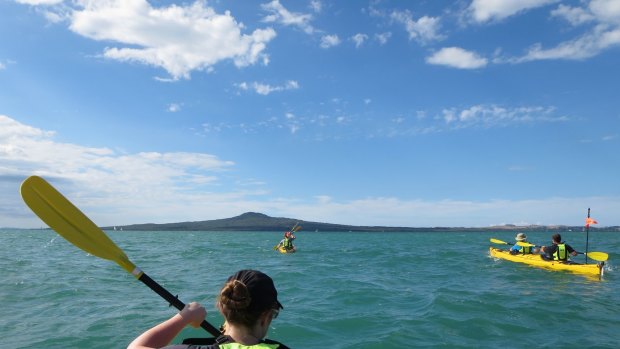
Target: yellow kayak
281, 249
537, 261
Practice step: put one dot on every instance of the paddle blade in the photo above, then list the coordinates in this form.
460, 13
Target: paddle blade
69, 222
495, 241
598, 256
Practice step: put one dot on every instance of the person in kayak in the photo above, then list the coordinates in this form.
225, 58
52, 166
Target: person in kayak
559, 251
248, 301
287, 241
516, 249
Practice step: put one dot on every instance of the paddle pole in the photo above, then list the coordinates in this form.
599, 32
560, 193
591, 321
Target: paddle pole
587, 234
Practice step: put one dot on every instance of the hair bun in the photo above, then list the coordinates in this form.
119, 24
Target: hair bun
235, 295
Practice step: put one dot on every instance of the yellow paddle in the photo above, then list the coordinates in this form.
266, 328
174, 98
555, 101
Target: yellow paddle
70, 223
496, 241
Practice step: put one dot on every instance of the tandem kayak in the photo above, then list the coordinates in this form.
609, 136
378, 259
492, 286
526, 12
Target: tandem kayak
281, 249
537, 261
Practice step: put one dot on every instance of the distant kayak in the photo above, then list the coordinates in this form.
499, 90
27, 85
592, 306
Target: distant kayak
283, 250
537, 261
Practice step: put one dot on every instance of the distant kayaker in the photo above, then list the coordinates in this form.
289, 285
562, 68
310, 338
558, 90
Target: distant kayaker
287, 241
516, 249
559, 251
248, 301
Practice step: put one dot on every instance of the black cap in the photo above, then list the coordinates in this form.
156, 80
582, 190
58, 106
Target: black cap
262, 290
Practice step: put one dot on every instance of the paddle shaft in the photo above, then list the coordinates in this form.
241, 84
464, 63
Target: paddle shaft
587, 236
174, 301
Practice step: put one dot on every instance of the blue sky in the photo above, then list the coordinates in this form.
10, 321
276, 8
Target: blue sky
398, 113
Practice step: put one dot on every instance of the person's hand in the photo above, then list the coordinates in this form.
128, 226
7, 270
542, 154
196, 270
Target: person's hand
194, 314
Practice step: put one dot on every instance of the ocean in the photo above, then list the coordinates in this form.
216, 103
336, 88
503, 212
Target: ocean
340, 290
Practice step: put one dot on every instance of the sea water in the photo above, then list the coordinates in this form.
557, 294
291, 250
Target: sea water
340, 290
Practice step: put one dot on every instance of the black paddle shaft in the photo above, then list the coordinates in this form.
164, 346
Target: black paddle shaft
174, 301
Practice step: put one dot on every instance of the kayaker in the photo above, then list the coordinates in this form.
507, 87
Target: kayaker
559, 251
248, 301
516, 249
287, 242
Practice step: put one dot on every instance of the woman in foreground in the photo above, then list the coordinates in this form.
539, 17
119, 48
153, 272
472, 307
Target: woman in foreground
248, 301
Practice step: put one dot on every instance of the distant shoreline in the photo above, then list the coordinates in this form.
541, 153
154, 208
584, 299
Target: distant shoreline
252, 221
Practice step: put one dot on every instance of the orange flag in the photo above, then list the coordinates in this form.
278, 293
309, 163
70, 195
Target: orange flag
590, 221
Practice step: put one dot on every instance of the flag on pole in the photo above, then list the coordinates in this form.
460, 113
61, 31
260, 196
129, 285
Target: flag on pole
590, 221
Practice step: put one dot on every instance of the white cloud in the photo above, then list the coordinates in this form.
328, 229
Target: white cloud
115, 188
316, 6
489, 10
179, 39
575, 15
174, 107
2, 66
102, 176
383, 37
586, 46
423, 30
328, 41
281, 15
359, 39
39, 2
494, 116
457, 57
606, 11
391, 211
604, 33
265, 89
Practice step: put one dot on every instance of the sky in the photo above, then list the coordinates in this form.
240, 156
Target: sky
467, 113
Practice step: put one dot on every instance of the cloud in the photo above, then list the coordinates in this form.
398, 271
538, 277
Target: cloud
496, 10
179, 39
457, 57
265, 89
174, 107
328, 41
589, 45
316, 6
497, 116
115, 188
575, 15
39, 2
390, 211
423, 30
383, 37
359, 39
102, 176
604, 34
279, 14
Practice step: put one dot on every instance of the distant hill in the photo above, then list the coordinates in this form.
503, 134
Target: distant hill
252, 221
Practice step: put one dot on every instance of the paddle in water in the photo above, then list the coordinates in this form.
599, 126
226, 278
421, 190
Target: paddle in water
70, 223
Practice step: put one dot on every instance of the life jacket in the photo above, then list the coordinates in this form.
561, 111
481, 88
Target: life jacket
526, 249
225, 342
287, 244
560, 253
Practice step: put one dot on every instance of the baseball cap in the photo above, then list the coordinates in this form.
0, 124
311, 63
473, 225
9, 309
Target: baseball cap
261, 288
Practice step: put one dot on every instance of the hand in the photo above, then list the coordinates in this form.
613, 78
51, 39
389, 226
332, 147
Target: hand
194, 314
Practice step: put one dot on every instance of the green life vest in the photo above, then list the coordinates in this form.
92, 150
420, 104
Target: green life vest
255, 346
287, 243
560, 253
526, 249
